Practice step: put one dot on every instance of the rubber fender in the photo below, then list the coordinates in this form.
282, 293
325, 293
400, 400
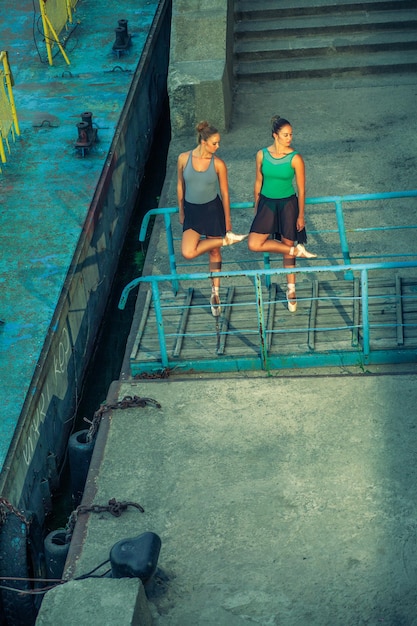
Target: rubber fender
56, 550
2, 616
80, 452
21, 556
136, 557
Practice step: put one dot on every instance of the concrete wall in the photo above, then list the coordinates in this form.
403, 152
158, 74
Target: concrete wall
200, 79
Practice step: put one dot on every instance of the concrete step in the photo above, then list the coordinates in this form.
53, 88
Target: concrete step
337, 23
307, 38
290, 47
327, 66
254, 9
270, 88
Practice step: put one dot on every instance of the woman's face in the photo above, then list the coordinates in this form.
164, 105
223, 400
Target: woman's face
212, 143
284, 135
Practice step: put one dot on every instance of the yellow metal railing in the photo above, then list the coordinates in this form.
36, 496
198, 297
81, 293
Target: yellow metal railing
55, 16
70, 7
9, 124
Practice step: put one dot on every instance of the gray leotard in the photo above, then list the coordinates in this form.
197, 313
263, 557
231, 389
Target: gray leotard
200, 187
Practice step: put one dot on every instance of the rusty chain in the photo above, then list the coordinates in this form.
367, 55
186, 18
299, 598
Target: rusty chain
163, 373
114, 507
125, 403
5, 504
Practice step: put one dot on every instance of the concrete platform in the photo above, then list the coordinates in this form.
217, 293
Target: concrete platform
279, 500
99, 601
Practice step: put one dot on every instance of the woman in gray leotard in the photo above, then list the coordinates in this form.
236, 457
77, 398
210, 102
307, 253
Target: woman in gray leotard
204, 205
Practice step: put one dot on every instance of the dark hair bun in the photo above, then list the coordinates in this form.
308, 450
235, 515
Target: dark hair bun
205, 130
201, 126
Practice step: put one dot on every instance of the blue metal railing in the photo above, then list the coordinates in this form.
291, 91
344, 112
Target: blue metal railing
337, 201
266, 361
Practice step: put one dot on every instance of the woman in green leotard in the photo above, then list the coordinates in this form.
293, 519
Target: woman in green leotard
278, 210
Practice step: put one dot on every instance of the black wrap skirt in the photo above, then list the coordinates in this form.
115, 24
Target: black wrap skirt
206, 219
278, 217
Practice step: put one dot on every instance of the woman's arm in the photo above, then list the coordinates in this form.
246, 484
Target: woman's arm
221, 170
300, 179
182, 160
258, 178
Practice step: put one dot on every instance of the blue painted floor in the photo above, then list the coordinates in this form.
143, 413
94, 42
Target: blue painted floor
46, 186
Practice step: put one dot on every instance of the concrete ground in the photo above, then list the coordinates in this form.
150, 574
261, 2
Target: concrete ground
284, 499
278, 500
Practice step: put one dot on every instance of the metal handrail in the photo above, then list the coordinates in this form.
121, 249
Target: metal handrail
257, 275
338, 202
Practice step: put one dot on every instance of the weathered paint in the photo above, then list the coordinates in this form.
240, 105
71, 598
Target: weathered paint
64, 216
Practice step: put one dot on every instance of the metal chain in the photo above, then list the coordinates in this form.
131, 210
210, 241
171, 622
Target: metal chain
163, 373
114, 507
5, 504
125, 403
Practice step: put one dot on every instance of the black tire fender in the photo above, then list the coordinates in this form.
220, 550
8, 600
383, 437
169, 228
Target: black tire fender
56, 552
80, 452
21, 556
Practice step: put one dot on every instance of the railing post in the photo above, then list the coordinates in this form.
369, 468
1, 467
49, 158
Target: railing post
171, 251
267, 266
261, 322
365, 314
9, 81
342, 235
159, 323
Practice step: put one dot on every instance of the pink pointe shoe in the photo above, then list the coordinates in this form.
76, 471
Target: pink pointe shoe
291, 301
300, 251
230, 238
215, 304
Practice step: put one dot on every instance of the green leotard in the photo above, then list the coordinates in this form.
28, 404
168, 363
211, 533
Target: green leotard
278, 175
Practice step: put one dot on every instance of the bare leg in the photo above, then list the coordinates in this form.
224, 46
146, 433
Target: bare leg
215, 265
261, 243
289, 261
192, 246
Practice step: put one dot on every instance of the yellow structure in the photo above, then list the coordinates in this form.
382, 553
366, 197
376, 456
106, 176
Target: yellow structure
9, 124
70, 7
55, 16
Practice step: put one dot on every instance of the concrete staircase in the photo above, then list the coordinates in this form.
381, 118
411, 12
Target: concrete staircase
285, 39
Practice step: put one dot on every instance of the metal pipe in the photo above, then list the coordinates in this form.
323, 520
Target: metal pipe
160, 325
365, 314
261, 322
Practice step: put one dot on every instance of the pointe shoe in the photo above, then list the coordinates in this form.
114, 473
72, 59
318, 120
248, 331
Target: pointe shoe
300, 251
290, 294
230, 238
215, 305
